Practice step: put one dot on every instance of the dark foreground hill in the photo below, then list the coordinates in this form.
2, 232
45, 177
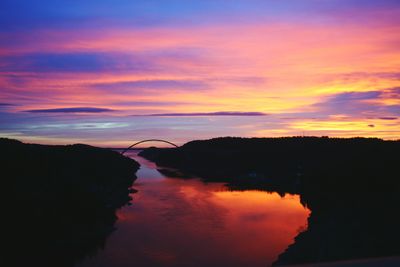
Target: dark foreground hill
352, 187
60, 201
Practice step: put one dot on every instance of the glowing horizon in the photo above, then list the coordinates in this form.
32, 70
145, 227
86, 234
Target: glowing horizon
109, 74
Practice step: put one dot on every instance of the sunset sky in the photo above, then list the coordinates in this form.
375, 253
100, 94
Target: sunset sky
110, 72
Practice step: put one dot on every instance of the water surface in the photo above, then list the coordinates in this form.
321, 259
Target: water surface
185, 222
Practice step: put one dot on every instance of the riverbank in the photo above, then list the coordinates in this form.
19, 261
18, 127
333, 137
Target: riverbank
186, 222
60, 200
352, 187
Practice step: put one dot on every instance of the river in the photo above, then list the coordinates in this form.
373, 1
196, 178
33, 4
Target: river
185, 222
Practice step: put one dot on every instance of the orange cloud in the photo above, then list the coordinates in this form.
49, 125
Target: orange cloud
277, 68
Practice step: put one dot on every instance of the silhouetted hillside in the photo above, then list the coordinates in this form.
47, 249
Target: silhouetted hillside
352, 187
60, 200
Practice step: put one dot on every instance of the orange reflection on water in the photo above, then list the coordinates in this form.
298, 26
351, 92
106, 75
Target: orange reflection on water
261, 224
185, 222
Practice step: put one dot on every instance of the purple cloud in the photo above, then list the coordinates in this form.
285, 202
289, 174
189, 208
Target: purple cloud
353, 96
74, 62
150, 103
153, 84
220, 113
366, 75
361, 104
388, 118
71, 110
393, 92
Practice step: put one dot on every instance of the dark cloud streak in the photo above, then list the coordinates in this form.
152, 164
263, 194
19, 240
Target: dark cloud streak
75, 62
71, 110
220, 113
361, 104
153, 85
6, 104
388, 118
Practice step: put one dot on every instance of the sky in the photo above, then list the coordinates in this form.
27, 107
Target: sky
111, 72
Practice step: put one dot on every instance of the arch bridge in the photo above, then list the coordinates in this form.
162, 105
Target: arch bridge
149, 140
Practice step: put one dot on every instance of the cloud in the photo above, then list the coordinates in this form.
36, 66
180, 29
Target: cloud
242, 80
388, 118
220, 113
153, 84
151, 103
75, 62
169, 58
383, 104
366, 75
392, 92
353, 96
71, 110
6, 106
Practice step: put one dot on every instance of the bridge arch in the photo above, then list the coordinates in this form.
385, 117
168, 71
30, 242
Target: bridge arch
149, 140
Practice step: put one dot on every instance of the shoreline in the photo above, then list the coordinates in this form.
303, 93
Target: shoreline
340, 180
68, 195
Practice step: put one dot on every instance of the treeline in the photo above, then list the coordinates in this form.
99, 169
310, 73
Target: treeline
60, 201
283, 160
351, 185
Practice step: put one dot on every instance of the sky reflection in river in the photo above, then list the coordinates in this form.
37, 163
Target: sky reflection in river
176, 222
